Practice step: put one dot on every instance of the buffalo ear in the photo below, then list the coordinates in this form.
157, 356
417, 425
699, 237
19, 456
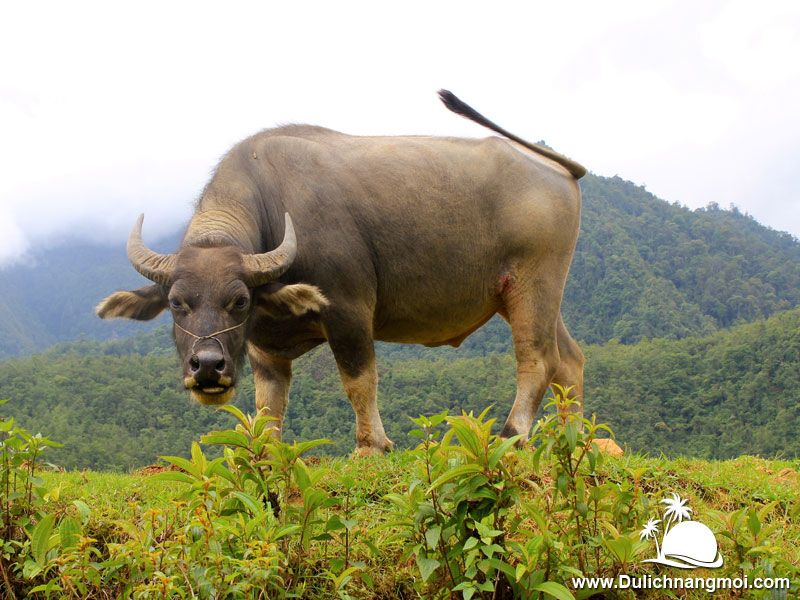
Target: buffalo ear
282, 301
143, 304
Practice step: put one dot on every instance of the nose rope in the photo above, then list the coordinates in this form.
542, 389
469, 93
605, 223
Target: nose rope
210, 336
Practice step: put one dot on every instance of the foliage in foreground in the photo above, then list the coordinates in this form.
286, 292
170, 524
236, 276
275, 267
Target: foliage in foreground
464, 515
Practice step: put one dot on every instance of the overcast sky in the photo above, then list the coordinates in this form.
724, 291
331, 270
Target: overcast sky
112, 109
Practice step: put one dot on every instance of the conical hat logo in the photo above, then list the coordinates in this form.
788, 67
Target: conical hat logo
685, 544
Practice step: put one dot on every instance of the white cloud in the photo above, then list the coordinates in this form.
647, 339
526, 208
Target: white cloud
14, 244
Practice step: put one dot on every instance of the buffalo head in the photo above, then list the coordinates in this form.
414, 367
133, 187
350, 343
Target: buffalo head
210, 292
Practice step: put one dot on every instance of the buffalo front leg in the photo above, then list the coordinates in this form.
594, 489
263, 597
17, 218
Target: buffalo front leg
355, 359
272, 376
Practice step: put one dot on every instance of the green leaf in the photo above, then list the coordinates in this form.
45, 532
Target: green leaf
313, 499
556, 590
334, 524
467, 436
282, 532
427, 566
240, 416
83, 510
40, 539
501, 450
453, 473
343, 578
50, 586
198, 458
184, 464
217, 468
537, 457
561, 483
571, 433
130, 529
301, 475
69, 531
30, 569
485, 531
622, 548
417, 433
50, 443
438, 418
250, 503
432, 536
467, 589
226, 438
303, 447
753, 524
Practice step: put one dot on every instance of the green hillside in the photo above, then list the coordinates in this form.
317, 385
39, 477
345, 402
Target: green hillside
119, 404
643, 269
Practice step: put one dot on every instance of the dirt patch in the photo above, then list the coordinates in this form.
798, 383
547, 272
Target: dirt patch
608, 446
153, 469
788, 474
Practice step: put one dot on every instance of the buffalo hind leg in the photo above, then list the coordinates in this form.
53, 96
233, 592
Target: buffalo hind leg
533, 324
355, 358
570, 369
272, 376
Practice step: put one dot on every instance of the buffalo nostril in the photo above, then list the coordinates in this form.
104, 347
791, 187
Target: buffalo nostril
220, 366
194, 362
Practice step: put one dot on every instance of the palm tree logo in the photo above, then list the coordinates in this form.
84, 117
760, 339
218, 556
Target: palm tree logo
676, 510
686, 544
649, 532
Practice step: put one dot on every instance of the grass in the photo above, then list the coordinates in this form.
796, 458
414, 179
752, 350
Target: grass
713, 488
721, 485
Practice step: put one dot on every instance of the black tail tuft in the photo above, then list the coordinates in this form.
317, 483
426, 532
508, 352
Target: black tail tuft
458, 106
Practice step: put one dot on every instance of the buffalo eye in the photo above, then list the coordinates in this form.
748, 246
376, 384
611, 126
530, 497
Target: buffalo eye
175, 304
241, 302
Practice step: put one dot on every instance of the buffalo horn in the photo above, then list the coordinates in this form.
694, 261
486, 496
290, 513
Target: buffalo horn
156, 267
266, 267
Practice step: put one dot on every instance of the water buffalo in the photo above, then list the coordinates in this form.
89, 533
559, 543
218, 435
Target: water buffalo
305, 235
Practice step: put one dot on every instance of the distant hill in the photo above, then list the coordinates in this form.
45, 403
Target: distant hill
643, 269
51, 297
120, 404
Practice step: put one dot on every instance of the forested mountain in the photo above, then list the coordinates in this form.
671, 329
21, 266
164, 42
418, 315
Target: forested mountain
643, 269
120, 404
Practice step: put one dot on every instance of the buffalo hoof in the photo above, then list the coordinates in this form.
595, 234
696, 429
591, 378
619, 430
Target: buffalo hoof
374, 450
509, 431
